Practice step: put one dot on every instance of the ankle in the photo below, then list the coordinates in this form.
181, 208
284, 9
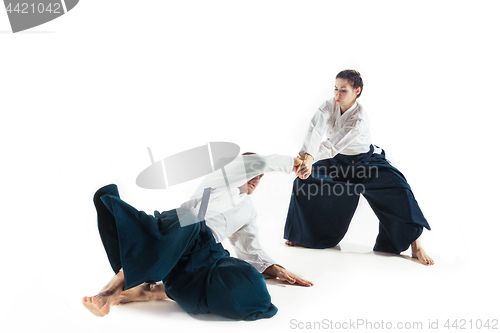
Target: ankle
157, 291
415, 246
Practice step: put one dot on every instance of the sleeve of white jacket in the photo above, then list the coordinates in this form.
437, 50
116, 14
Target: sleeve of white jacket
247, 247
317, 129
244, 168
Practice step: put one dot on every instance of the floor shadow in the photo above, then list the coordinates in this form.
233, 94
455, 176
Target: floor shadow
165, 308
210, 317
353, 248
272, 281
162, 307
298, 246
402, 256
385, 254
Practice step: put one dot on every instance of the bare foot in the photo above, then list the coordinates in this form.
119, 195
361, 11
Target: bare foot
419, 253
99, 304
290, 243
143, 292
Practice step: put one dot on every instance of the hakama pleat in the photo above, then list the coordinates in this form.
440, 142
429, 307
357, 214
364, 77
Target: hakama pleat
322, 206
194, 268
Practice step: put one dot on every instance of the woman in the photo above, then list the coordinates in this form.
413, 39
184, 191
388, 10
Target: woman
326, 194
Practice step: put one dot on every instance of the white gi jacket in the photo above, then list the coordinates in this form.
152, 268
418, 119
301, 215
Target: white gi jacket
347, 133
238, 223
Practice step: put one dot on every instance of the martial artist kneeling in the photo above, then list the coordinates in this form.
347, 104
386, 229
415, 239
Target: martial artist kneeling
196, 270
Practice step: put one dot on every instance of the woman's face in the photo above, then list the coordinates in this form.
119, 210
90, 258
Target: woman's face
345, 94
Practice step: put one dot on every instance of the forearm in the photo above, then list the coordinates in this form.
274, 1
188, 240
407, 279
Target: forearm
315, 133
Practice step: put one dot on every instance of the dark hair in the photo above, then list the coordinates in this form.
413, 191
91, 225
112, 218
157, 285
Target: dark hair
353, 77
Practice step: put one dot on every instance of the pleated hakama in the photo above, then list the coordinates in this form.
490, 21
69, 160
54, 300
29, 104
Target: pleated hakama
197, 272
322, 206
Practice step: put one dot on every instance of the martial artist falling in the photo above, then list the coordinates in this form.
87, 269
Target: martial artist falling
187, 257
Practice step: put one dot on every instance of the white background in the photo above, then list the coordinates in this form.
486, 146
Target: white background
83, 96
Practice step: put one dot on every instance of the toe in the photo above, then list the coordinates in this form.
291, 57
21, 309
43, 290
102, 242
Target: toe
105, 309
96, 302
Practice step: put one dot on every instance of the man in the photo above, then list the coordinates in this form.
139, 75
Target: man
194, 267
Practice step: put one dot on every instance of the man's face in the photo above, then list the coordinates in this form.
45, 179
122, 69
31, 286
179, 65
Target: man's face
251, 185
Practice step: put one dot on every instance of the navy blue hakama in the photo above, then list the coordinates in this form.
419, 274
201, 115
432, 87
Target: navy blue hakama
197, 272
322, 206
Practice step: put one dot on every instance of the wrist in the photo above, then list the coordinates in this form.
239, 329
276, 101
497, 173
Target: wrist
270, 270
306, 156
273, 270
